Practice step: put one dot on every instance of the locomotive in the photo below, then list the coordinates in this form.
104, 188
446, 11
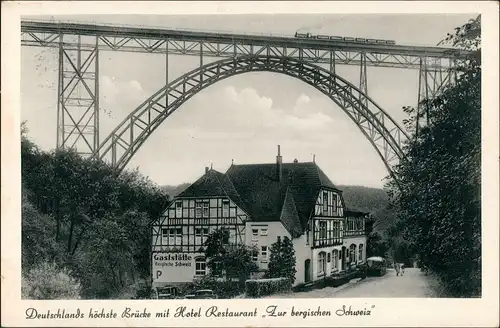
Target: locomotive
342, 38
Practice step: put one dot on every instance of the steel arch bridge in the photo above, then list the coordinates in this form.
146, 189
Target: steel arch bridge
79, 46
380, 129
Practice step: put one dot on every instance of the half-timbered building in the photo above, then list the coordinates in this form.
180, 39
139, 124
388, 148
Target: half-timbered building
256, 204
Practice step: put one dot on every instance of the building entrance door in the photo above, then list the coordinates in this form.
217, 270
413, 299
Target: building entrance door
307, 271
343, 258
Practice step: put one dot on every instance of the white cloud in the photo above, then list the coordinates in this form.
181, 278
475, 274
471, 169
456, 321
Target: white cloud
252, 110
312, 122
135, 85
302, 99
108, 89
115, 91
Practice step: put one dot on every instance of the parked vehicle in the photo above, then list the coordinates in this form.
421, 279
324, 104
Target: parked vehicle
202, 294
167, 292
362, 270
376, 266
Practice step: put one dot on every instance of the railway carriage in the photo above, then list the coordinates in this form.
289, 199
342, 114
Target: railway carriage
340, 38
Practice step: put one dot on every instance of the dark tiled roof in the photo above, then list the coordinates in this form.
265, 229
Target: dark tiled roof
256, 189
212, 184
290, 216
351, 211
264, 196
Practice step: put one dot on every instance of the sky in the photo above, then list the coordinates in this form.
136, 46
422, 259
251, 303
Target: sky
242, 118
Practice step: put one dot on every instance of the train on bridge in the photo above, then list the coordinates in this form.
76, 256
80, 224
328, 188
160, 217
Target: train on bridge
342, 38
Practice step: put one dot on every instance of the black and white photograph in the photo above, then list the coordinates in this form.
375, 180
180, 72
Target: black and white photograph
189, 159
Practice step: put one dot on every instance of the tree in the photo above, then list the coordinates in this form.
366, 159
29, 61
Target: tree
231, 259
38, 243
85, 216
376, 245
107, 265
215, 245
282, 260
237, 262
438, 197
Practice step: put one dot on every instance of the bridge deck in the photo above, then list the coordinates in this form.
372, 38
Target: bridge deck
228, 38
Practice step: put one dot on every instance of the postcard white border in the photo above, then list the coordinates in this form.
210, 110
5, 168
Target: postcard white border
387, 312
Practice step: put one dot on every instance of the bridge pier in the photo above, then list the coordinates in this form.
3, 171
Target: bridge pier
363, 81
433, 79
78, 96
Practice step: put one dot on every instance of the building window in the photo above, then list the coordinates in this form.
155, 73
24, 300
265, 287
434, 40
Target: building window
328, 257
335, 258
321, 263
225, 208
255, 234
199, 232
360, 256
263, 253
198, 209
307, 237
206, 209
325, 202
178, 209
263, 232
164, 233
200, 267
255, 255
178, 236
322, 229
334, 202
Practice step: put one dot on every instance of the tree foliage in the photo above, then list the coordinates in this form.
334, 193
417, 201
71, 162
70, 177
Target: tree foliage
376, 245
438, 196
86, 217
46, 281
231, 260
38, 244
282, 260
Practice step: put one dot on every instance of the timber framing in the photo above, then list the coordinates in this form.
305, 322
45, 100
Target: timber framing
184, 228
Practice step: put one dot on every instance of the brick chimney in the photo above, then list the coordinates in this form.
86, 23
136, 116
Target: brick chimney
206, 169
279, 165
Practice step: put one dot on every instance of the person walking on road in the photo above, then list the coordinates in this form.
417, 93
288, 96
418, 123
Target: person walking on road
396, 267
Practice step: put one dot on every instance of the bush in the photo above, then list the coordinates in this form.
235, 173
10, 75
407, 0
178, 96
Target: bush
282, 261
143, 290
263, 287
47, 282
38, 243
337, 279
223, 288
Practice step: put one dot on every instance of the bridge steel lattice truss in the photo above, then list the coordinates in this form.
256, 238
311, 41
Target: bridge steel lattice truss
309, 60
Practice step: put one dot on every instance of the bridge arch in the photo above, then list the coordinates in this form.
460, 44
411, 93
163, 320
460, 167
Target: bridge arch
377, 126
